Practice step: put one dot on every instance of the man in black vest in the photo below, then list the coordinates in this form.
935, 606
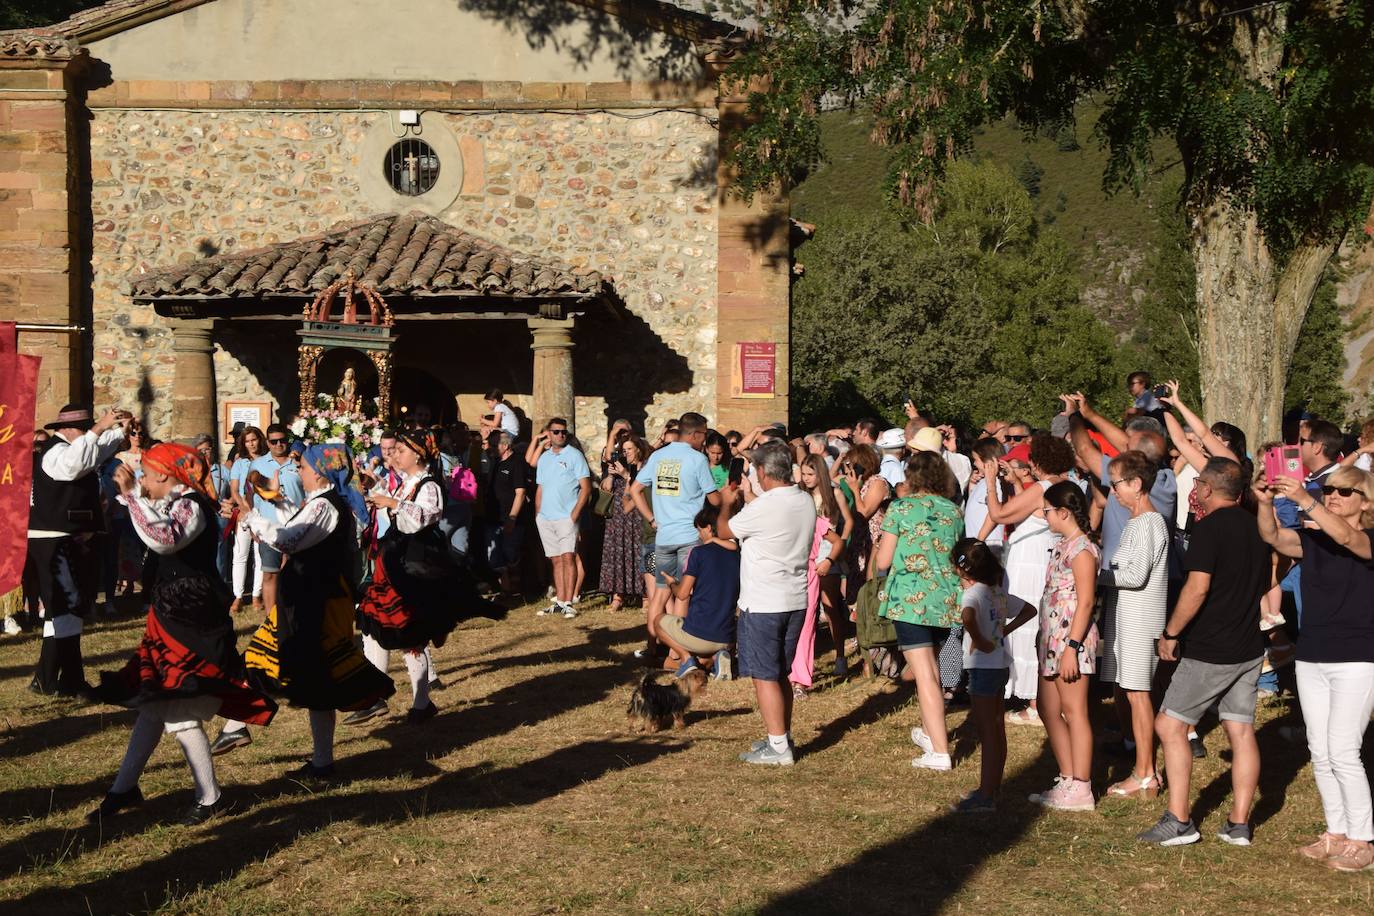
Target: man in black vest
64, 517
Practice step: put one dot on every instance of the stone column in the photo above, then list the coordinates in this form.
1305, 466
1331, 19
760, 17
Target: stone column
553, 371
193, 392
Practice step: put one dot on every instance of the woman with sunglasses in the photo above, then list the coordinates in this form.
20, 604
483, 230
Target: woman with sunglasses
1335, 661
1068, 647
129, 551
251, 446
1027, 555
1135, 600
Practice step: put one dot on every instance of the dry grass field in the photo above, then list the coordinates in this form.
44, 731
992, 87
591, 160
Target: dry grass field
528, 794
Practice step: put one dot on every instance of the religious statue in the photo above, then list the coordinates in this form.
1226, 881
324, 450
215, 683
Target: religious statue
346, 400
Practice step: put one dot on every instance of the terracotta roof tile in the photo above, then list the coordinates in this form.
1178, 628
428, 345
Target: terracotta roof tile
407, 255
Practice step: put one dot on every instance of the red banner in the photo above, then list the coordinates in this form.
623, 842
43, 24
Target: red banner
18, 388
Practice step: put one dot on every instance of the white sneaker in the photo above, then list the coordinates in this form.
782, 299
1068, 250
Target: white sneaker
922, 740
933, 761
554, 608
12, 627
569, 612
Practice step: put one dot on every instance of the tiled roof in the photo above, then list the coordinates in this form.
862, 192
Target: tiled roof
407, 255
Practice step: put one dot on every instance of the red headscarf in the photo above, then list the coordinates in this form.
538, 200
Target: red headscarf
182, 463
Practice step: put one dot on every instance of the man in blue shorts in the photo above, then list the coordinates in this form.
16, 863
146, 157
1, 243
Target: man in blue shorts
678, 478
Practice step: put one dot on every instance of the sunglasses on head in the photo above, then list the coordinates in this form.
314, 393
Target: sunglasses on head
1344, 491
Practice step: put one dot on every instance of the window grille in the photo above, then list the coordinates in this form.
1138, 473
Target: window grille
412, 167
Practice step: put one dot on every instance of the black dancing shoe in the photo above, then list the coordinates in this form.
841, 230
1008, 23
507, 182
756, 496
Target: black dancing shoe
366, 715
309, 771
420, 716
115, 802
227, 741
199, 814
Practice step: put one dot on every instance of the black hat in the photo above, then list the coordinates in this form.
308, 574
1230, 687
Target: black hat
72, 416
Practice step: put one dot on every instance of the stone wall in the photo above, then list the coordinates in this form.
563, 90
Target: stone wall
631, 196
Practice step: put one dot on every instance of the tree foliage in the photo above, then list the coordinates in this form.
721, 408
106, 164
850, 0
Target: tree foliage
19, 14
1271, 105
975, 315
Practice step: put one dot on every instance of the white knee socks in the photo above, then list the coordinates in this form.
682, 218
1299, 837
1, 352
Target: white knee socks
373, 652
322, 733
417, 666
143, 741
196, 747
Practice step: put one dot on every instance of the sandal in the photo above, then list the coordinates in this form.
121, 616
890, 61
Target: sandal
1027, 716
1134, 786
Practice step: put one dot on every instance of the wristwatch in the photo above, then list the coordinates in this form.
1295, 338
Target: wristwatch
1167, 635
1075, 645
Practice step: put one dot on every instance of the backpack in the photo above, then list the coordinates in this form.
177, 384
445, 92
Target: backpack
462, 484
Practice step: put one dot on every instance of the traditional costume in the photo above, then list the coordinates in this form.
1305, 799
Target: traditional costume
400, 609
304, 650
186, 670
64, 519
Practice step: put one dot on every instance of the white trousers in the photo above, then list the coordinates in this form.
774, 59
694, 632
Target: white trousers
1337, 699
244, 548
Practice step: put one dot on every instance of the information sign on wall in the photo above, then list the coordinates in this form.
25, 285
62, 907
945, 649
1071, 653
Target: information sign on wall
754, 370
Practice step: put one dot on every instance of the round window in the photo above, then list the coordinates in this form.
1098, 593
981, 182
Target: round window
412, 167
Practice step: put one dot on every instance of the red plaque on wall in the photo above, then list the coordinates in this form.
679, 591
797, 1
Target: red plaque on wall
754, 370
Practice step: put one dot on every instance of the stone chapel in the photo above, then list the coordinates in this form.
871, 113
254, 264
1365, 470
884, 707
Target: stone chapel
535, 187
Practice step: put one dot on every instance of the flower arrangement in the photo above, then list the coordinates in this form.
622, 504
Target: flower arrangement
354, 431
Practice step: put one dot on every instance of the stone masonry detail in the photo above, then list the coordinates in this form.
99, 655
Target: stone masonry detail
631, 197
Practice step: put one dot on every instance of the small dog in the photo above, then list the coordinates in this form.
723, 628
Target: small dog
653, 706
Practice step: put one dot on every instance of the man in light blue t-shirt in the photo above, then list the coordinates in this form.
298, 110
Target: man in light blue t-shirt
678, 477
277, 463
563, 487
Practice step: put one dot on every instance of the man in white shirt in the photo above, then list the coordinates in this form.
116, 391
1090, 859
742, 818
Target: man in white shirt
775, 532
64, 517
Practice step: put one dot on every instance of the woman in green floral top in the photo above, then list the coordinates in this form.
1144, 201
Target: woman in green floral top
921, 592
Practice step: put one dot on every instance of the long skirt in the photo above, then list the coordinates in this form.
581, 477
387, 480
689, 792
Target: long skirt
178, 662
405, 622
320, 668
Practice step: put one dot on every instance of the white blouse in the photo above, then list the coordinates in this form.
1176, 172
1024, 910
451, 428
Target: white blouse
168, 524
309, 525
417, 506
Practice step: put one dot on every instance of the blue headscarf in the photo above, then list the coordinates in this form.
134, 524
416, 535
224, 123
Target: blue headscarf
331, 461
298, 447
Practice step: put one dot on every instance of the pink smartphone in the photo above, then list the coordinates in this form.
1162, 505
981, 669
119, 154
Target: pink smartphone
1283, 461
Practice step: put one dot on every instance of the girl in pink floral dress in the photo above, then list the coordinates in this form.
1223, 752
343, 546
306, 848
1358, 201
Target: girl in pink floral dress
1068, 647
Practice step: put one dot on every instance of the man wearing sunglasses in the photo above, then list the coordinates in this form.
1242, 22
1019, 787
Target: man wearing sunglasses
562, 488
1320, 447
277, 465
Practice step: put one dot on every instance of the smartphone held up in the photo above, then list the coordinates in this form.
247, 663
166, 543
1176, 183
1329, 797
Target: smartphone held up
1283, 461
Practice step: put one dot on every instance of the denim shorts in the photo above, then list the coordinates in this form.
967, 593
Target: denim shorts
768, 643
918, 635
671, 560
270, 558
987, 682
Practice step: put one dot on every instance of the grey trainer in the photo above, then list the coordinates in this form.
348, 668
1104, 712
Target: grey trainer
1170, 831
1236, 834
766, 756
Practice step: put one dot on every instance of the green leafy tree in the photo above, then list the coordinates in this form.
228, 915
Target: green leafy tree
20, 14
974, 314
1314, 379
1271, 106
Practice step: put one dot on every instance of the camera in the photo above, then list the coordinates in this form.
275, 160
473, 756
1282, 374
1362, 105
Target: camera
1160, 391
618, 457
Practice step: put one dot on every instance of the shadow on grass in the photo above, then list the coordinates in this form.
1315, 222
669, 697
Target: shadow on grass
227, 846
48, 735
891, 879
